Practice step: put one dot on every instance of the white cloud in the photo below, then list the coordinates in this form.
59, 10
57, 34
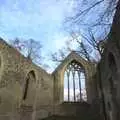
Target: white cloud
60, 41
32, 17
72, 95
37, 19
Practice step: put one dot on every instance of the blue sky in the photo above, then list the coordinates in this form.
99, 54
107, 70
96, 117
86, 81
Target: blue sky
41, 20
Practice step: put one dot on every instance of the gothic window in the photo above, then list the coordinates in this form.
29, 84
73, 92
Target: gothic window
109, 111
30, 77
113, 84
109, 106
113, 69
74, 82
112, 63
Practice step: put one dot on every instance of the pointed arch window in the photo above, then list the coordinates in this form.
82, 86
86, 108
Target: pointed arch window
29, 79
74, 82
112, 62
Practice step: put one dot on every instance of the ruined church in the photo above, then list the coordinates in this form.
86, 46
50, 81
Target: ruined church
28, 92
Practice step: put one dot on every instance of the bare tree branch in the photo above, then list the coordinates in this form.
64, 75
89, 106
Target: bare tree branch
30, 48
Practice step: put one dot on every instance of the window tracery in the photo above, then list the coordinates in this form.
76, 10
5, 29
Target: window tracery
74, 82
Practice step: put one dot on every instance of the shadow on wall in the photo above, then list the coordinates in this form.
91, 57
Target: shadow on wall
29, 88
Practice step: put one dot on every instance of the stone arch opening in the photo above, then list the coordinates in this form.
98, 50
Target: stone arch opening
112, 62
29, 79
113, 68
113, 81
74, 82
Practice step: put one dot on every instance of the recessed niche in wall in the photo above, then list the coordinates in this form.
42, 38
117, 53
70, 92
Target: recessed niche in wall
29, 79
112, 62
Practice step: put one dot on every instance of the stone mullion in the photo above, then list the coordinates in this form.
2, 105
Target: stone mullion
73, 74
80, 89
68, 80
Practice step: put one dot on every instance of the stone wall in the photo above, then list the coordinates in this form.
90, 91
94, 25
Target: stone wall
59, 78
29, 92
13, 75
108, 82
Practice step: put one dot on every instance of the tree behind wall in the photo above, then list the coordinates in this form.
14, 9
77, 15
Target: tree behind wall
30, 48
88, 47
91, 20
